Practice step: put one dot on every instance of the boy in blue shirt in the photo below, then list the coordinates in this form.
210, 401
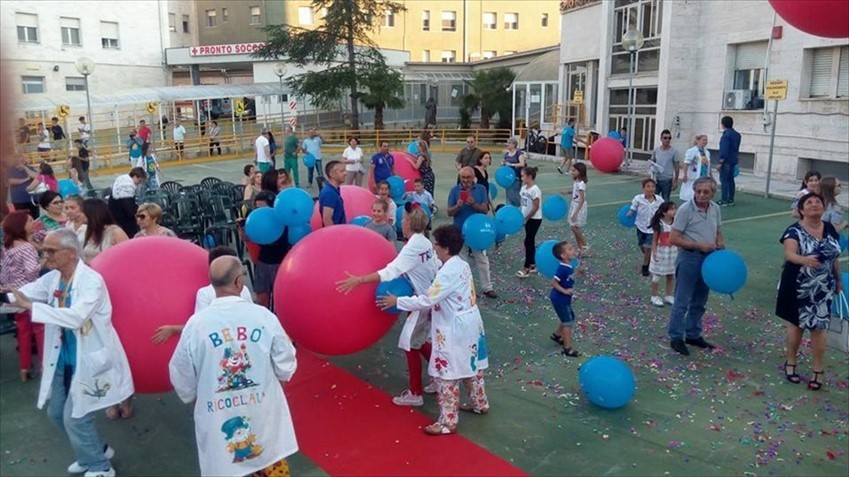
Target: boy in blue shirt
562, 289
383, 164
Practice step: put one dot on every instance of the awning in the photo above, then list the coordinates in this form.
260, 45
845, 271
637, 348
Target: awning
436, 76
543, 69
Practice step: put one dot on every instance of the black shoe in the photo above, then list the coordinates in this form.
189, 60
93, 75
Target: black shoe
680, 347
645, 271
491, 294
699, 342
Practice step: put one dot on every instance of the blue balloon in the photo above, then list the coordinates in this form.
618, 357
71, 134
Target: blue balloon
297, 232
263, 226
607, 382
493, 191
736, 171
509, 220
724, 271
555, 208
396, 187
309, 160
838, 303
397, 287
505, 176
844, 244
360, 220
479, 232
547, 263
413, 147
67, 188
294, 206
624, 219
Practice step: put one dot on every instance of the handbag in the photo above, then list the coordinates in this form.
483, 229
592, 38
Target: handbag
39, 189
838, 329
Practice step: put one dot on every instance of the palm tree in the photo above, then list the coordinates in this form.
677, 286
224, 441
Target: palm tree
490, 95
385, 90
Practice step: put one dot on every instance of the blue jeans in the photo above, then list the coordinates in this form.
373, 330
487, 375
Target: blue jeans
691, 294
317, 169
513, 194
85, 441
726, 178
664, 188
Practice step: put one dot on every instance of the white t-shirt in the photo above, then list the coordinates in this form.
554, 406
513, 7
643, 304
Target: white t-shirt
577, 187
262, 143
355, 154
85, 130
645, 210
206, 294
179, 133
123, 187
528, 194
391, 210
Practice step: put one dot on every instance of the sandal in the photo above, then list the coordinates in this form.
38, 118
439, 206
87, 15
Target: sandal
126, 408
557, 338
791, 376
815, 384
437, 429
570, 352
470, 408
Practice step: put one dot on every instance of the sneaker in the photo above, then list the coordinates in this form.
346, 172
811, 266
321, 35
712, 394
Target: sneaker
720, 203
76, 468
680, 347
669, 299
560, 170
699, 343
522, 274
645, 270
101, 473
656, 301
407, 398
431, 388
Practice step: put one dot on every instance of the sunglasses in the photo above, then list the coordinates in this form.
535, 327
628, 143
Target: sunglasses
141, 216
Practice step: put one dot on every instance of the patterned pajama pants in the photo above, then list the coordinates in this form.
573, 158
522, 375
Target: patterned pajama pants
277, 469
448, 397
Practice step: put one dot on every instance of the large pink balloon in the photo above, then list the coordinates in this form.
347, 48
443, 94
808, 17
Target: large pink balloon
826, 18
404, 169
357, 200
310, 309
152, 281
606, 154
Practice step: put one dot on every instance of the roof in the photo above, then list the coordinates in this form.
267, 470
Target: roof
165, 94
543, 68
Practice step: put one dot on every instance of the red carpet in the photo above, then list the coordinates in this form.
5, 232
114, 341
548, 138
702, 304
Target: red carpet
348, 427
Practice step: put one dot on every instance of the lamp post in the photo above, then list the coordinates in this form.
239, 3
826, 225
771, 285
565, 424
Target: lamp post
632, 41
280, 71
85, 66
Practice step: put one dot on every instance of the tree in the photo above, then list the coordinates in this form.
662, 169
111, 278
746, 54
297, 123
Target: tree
490, 94
341, 44
385, 90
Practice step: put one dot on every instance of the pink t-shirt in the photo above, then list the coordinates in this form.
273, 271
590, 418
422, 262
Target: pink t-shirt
50, 182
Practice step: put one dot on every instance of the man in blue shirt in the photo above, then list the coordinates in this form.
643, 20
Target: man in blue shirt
382, 164
330, 199
134, 145
312, 145
465, 200
18, 177
729, 157
567, 145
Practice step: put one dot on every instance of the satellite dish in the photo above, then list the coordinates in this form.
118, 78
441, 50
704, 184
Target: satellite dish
85, 66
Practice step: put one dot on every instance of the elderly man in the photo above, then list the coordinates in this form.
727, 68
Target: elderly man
696, 232
465, 200
229, 363
85, 368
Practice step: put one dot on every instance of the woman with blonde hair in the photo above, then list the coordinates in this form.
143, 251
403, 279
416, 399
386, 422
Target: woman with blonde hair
148, 217
696, 164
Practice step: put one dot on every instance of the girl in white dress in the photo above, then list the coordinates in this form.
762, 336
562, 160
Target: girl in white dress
663, 254
578, 208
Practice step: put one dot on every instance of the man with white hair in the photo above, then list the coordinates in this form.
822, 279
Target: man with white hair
85, 367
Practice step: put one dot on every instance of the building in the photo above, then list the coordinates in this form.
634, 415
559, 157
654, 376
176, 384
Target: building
704, 60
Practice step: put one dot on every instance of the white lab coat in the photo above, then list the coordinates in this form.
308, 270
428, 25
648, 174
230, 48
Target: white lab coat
229, 361
693, 164
457, 334
102, 375
417, 262
206, 294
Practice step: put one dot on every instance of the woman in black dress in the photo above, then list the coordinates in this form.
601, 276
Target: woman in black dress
482, 174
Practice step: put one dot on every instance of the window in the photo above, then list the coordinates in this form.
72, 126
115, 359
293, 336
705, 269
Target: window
27, 27
74, 83
256, 15
389, 19
490, 21
210, 18
829, 72
488, 54
426, 55
70, 31
449, 56
32, 84
749, 67
304, 16
425, 20
172, 22
109, 35
543, 22
225, 14
511, 21
643, 15
449, 21
185, 23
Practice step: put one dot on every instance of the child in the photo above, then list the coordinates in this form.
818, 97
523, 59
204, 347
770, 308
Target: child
531, 197
644, 206
578, 208
151, 167
378, 221
562, 289
421, 196
663, 254
391, 208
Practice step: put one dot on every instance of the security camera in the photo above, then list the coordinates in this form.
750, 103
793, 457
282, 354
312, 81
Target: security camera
55, 67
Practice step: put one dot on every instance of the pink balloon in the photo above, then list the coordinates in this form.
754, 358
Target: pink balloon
357, 200
310, 309
152, 281
606, 154
826, 18
404, 169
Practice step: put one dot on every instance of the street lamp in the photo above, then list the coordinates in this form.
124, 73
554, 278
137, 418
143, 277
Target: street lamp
85, 66
280, 71
632, 41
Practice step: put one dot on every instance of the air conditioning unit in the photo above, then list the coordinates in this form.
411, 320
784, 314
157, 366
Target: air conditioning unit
738, 99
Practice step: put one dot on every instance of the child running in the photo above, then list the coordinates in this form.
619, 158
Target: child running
378, 221
562, 289
531, 197
663, 254
578, 208
644, 206
391, 208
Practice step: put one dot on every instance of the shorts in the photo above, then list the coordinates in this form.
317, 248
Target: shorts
567, 153
565, 313
263, 166
643, 239
264, 276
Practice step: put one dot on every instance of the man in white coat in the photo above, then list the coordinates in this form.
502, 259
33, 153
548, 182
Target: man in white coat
85, 367
229, 363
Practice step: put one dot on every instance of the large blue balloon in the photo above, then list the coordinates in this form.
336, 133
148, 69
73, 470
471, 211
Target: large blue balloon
396, 187
505, 176
838, 303
397, 287
360, 220
294, 206
413, 147
555, 208
493, 191
607, 382
509, 220
297, 232
547, 263
263, 226
624, 219
67, 188
479, 232
309, 160
724, 271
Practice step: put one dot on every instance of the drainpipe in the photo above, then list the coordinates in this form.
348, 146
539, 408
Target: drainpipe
766, 117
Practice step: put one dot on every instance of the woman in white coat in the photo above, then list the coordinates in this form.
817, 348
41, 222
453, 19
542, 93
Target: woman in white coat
417, 263
459, 343
696, 164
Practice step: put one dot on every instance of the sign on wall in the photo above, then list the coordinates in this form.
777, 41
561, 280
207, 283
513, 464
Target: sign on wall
226, 49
